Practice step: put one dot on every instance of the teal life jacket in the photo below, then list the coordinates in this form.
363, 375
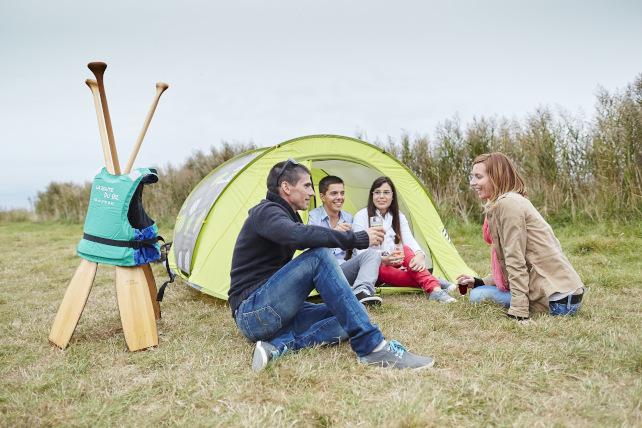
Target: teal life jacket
117, 230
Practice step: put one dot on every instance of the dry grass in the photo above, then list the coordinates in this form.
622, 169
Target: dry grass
583, 371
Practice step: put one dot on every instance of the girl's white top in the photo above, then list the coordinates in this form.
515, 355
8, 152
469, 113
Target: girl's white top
360, 222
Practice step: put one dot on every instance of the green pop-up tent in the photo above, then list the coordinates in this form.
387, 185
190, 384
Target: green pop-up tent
212, 215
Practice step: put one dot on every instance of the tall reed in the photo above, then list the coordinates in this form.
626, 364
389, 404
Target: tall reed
68, 201
574, 168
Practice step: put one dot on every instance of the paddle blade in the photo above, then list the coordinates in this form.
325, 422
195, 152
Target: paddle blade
73, 304
135, 306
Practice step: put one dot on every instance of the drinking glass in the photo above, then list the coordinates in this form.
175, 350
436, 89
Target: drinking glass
397, 251
376, 221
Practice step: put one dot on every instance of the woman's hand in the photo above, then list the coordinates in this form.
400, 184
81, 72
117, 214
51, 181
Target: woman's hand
418, 263
466, 280
391, 260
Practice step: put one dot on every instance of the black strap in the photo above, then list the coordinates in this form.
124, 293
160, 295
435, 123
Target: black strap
575, 299
161, 291
478, 282
137, 245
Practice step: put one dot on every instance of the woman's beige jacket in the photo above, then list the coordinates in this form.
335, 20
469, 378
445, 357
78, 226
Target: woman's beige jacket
530, 255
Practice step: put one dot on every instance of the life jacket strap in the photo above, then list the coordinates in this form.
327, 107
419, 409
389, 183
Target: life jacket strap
161, 291
137, 245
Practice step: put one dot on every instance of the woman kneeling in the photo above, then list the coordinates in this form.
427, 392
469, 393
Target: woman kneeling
529, 269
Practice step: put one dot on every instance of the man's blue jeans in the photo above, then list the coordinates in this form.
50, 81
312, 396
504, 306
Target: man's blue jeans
278, 312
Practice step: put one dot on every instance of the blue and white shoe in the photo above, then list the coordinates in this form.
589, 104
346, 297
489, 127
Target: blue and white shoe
441, 296
394, 355
264, 352
445, 285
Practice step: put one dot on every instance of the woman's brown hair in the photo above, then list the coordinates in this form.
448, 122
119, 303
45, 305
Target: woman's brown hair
394, 205
502, 174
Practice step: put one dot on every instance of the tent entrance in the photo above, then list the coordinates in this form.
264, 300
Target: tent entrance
357, 181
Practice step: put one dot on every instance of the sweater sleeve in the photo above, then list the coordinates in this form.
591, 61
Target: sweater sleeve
274, 224
512, 233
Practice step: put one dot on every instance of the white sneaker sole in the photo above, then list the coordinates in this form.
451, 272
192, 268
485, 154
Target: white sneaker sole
260, 358
381, 366
372, 300
427, 366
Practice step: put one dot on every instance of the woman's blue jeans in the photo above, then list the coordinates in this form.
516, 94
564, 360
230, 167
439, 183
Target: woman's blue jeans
278, 312
564, 308
493, 294
490, 293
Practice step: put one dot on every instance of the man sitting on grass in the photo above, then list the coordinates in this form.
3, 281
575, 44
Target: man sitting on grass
362, 270
268, 289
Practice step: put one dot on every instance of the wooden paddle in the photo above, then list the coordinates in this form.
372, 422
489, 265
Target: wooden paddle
160, 88
73, 304
98, 68
136, 311
109, 161
151, 285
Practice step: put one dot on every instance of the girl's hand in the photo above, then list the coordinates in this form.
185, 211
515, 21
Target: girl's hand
391, 260
418, 263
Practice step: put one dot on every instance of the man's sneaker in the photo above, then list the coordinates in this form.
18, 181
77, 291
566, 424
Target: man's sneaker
394, 355
441, 296
264, 352
367, 298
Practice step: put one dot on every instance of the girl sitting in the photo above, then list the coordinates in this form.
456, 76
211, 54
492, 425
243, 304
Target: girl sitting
403, 261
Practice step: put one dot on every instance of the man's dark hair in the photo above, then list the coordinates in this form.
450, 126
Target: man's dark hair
289, 170
327, 181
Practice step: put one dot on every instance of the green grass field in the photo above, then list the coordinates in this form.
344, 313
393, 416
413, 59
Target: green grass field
581, 371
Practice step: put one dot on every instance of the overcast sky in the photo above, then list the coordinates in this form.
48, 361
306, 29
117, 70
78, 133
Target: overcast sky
265, 72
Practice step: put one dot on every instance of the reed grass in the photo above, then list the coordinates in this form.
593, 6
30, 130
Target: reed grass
575, 168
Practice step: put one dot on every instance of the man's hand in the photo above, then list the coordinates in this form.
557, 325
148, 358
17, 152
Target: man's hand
343, 227
418, 263
375, 235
